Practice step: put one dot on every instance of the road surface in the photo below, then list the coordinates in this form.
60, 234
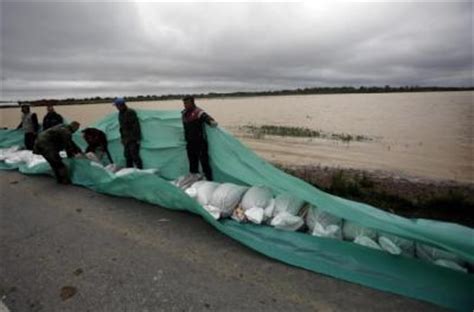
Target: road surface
66, 248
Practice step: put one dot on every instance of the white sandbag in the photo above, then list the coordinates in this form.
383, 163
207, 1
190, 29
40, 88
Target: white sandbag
431, 254
367, 242
23, 156
351, 230
191, 192
36, 160
226, 197
286, 221
255, 215
330, 231
92, 157
323, 224
450, 265
187, 181
213, 211
396, 245
6, 152
268, 211
256, 196
288, 203
112, 168
127, 171
205, 190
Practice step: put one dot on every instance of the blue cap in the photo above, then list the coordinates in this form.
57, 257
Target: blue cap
119, 101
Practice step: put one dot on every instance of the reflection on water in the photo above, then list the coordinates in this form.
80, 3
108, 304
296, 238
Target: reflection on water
425, 134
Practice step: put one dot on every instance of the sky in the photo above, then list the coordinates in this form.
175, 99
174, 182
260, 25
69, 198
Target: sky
85, 49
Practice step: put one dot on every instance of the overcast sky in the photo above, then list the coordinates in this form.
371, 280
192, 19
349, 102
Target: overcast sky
59, 50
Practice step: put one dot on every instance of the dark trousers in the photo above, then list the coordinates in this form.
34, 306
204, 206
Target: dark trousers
60, 170
197, 152
131, 151
30, 139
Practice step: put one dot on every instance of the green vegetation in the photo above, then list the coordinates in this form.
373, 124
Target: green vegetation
259, 132
299, 91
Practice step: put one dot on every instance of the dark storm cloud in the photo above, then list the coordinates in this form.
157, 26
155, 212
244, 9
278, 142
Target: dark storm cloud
83, 49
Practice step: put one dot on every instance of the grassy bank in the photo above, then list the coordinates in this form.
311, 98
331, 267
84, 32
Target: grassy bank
259, 132
411, 198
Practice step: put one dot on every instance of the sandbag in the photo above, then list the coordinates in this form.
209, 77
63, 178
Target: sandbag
255, 215
351, 230
112, 168
6, 152
367, 242
186, 181
323, 224
226, 197
396, 245
23, 156
256, 196
92, 157
268, 211
213, 211
205, 190
286, 221
127, 171
450, 265
286, 202
432, 254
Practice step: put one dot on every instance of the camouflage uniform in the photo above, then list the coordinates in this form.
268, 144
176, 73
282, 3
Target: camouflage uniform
50, 143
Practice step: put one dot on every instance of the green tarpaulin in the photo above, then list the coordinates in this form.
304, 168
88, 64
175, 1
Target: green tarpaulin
163, 147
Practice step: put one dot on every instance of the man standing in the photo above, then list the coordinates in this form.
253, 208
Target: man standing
130, 133
54, 140
29, 124
51, 118
194, 133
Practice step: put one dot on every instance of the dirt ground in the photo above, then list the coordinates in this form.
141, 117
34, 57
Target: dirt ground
411, 197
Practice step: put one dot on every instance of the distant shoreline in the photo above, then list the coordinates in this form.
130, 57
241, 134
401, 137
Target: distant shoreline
214, 95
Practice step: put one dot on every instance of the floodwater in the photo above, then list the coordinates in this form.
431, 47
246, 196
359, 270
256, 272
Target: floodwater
418, 134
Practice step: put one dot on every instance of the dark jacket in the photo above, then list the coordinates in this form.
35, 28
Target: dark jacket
52, 119
56, 139
193, 124
95, 138
129, 126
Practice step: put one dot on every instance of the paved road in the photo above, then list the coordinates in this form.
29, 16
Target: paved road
65, 248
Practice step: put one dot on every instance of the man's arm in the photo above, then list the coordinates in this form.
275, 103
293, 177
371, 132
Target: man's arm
208, 119
71, 148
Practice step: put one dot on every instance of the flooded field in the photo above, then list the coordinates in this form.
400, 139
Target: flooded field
419, 134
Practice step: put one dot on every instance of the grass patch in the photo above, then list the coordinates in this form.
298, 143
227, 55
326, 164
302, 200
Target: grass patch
259, 132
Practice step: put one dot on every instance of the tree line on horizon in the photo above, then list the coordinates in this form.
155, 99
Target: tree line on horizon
298, 91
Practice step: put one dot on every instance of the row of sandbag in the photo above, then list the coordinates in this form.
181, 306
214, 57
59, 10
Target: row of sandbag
286, 212
14, 156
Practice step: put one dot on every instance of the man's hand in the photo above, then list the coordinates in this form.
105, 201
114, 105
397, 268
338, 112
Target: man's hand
213, 123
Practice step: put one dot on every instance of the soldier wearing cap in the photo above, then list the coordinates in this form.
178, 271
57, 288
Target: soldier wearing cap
29, 124
194, 119
54, 140
130, 133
